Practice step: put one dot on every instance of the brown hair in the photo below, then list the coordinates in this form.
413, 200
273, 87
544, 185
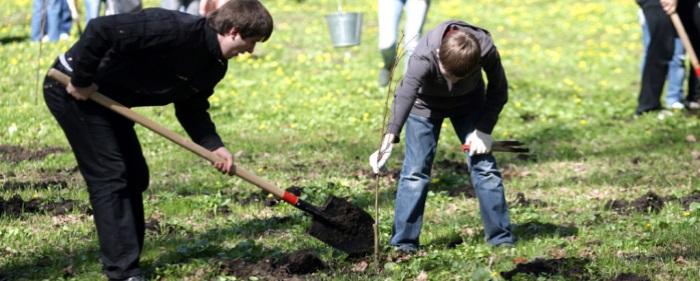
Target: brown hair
249, 16
460, 52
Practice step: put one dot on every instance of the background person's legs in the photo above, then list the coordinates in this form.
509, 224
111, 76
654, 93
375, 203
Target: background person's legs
658, 55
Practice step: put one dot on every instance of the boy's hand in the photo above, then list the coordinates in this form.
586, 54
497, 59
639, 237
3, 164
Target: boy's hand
669, 6
479, 142
226, 160
80, 93
378, 159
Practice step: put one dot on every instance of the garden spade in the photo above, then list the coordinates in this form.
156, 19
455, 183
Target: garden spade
686, 42
338, 223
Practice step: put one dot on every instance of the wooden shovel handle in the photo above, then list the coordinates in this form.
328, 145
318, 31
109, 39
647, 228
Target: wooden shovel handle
174, 137
686, 42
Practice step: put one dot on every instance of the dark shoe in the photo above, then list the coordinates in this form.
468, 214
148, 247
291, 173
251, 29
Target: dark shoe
384, 76
132, 278
505, 245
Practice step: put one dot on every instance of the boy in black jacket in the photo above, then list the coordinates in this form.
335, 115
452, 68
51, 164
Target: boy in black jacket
153, 57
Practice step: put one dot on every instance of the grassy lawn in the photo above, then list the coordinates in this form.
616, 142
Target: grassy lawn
302, 113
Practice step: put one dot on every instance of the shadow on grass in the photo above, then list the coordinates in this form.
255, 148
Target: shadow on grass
180, 247
12, 39
534, 229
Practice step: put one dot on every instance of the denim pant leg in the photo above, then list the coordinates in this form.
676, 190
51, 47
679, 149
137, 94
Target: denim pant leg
46, 19
488, 184
415, 17
421, 142
92, 9
676, 74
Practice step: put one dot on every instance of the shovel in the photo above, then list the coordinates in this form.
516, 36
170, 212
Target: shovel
337, 223
504, 146
686, 43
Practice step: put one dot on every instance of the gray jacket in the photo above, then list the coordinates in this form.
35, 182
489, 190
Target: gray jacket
425, 92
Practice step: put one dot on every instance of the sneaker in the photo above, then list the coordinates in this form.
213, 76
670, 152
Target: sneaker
663, 114
63, 36
383, 79
505, 245
677, 106
694, 105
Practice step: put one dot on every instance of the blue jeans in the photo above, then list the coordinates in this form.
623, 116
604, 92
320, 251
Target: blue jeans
92, 9
676, 67
389, 14
50, 18
187, 6
422, 136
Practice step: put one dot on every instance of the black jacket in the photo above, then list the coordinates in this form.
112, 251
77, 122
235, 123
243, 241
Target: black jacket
154, 57
424, 91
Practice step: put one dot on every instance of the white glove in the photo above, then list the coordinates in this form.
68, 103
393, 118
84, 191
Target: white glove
479, 142
378, 159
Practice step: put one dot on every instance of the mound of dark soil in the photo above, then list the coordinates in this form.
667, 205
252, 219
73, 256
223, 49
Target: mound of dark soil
16, 154
466, 191
153, 225
296, 263
569, 268
521, 201
630, 277
693, 197
457, 167
15, 206
42, 184
650, 202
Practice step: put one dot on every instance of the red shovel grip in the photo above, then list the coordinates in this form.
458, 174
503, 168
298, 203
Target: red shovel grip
465, 147
290, 198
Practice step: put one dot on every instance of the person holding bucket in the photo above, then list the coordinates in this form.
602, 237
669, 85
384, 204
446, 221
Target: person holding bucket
389, 14
444, 80
150, 58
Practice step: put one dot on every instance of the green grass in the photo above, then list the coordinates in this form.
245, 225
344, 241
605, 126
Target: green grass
303, 113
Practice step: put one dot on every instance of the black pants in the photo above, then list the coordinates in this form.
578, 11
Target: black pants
110, 159
660, 50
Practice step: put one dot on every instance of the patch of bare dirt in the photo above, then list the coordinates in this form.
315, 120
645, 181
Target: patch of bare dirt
569, 268
465, 190
691, 198
630, 277
289, 267
15, 206
16, 154
649, 202
521, 201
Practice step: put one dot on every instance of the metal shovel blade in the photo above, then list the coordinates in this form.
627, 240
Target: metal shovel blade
345, 227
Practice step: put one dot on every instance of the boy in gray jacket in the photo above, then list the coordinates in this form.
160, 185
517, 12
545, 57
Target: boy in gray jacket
444, 80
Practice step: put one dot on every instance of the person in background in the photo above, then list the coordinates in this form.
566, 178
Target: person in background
207, 6
660, 50
153, 57
676, 68
112, 7
444, 80
389, 15
187, 6
51, 20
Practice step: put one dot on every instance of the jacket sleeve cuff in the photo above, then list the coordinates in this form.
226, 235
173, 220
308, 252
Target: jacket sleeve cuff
80, 82
211, 143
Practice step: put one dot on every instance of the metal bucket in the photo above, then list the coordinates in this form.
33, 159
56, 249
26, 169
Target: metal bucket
345, 28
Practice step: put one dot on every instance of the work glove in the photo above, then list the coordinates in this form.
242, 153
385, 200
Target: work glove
479, 142
378, 159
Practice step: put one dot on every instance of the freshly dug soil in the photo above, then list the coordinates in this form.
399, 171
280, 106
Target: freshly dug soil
467, 191
569, 268
650, 202
693, 197
631, 277
15, 206
457, 167
16, 154
296, 263
42, 184
521, 201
